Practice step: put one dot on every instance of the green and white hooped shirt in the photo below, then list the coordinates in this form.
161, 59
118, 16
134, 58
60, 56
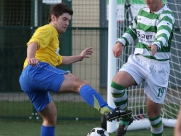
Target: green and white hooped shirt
151, 28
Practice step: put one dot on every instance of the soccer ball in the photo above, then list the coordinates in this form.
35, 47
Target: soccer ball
98, 132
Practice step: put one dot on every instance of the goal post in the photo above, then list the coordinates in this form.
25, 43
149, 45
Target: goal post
111, 60
126, 10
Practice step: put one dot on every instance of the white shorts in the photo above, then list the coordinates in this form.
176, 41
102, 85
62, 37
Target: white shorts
154, 73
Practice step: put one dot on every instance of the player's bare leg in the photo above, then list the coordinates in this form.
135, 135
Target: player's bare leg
74, 84
49, 115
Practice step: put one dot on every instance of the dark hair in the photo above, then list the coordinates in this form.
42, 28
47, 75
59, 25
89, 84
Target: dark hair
58, 10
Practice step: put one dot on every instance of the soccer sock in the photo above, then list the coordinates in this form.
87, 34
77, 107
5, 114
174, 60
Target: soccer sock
156, 126
119, 96
94, 99
120, 99
47, 131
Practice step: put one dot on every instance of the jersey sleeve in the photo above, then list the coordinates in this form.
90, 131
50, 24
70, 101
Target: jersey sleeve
42, 37
164, 29
130, 35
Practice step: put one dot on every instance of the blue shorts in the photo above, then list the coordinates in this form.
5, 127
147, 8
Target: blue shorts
37, 81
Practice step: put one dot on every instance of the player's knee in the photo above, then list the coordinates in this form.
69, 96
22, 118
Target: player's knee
79, 83
116, 86
152, 114
49, 123
80, 86
49, 120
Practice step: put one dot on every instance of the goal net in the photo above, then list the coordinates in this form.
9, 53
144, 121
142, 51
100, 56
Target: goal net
136, 96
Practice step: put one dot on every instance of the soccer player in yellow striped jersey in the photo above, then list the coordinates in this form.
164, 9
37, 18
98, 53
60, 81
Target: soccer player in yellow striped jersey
153, 28
40, 74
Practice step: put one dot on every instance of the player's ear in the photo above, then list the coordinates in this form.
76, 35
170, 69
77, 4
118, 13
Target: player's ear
53, 17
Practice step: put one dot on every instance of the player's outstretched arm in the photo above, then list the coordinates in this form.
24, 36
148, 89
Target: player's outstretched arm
72, 59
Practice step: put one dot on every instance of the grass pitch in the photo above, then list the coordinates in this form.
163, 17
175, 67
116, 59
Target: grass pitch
63, 128
14, 120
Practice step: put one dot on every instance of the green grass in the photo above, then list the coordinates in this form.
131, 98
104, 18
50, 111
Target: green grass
64, 128
14, 120
17, 109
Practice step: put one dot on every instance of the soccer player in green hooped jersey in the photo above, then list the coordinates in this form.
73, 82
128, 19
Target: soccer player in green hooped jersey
153, 28
40, 74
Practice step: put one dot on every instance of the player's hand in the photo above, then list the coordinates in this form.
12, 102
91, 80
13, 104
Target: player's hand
153, 49
117, 49
33, 61
85, 53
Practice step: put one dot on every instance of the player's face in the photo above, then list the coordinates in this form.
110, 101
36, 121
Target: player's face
61, 23
154, 5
